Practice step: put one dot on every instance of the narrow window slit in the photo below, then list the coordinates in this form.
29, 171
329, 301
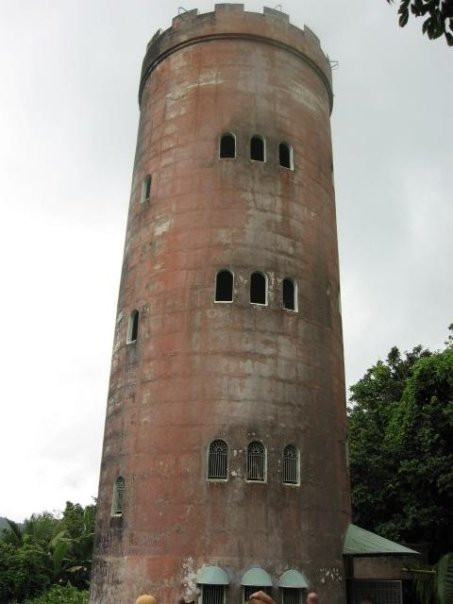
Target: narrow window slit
285, 153
146, 189
289, 294
133, 327
118, 497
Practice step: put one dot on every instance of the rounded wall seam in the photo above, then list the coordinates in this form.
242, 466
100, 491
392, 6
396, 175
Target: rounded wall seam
147, 69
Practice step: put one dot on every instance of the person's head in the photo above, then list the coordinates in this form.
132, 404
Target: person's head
312, 597
146, 599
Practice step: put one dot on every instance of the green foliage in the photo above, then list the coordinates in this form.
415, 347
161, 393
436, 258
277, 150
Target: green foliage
61, 595
12, 533
401, 448
23, 571
438, 16
49, 550
434, 584
444, 579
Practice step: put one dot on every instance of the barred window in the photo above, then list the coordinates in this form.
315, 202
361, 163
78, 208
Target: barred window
227, 145
289, 294
258, 288
256, 462
146, 188
118, 497
285, 153
291, 595
132, 332
224, 286
291, 465
218, 460
257, 148
251, 589
212, 594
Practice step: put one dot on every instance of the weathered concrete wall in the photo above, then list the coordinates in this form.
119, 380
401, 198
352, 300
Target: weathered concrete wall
201, 370
383, 567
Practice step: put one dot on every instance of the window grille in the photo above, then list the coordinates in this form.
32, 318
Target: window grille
118, 497
384, 592
290, 465
212, 594
218, 460
133, 327
251, 589
227, 146
285, 153
146, 189
256, 461
258, 289
224, 286
257, 148
289, 294
291, 595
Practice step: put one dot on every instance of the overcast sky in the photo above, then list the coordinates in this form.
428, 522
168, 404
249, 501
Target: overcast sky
68, 122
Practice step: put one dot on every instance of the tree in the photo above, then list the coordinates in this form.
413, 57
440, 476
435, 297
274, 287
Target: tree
401, 448
61, 595
438, 16
47, 550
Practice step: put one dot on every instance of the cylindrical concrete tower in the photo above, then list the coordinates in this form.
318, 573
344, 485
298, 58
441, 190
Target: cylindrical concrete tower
223, 466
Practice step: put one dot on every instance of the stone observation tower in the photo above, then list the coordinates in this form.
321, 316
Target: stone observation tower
223, 466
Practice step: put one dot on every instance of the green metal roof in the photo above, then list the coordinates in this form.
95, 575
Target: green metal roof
293, 578
256, 577
212, 575
359, 542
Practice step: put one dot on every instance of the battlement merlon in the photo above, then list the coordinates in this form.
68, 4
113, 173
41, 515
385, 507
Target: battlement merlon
231, 21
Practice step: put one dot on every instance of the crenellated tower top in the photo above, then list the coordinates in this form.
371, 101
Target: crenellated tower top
231, 21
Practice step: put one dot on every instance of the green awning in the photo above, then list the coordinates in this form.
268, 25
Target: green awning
359, 542
293, 579
256, 577
212, 575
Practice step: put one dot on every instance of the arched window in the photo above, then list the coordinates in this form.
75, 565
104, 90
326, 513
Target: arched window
255, 579
146, 188
218, 460
132, 331
257, 148
118, 497
285, 154
291, 465
224, 286
227, 147
289, 294
256, 461
258, 288
213, 580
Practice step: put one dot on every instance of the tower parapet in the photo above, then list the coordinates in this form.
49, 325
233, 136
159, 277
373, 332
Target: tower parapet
231, 21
